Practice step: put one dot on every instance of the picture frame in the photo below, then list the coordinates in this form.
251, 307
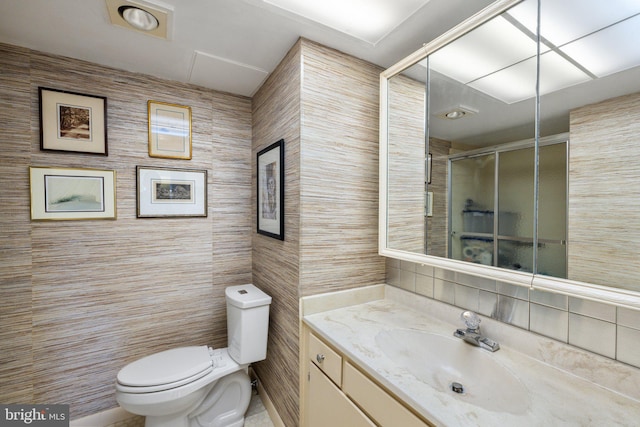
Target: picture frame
270, 190
169, 130
169, 192
72, 193
72, 122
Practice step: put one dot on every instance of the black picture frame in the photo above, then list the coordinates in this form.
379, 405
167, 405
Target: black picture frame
72, 122
270, 190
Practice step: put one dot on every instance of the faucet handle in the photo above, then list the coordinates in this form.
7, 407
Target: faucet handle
471, 320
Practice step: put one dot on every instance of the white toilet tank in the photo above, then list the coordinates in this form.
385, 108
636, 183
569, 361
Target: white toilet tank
247, 323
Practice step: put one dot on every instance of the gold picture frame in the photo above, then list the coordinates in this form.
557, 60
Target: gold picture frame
72, 122
59, 194
169, 130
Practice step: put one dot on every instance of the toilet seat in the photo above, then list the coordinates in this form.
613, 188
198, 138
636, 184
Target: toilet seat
221, 364
166, 370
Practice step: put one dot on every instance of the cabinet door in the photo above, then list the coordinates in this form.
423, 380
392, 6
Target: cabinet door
328, 406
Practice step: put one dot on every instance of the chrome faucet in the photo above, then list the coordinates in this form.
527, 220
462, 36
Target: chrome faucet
472, 334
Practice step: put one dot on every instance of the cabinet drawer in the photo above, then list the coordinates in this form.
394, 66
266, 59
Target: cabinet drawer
326, 359
383, 408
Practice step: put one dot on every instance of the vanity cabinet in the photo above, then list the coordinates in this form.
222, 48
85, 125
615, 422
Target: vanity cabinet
337, 393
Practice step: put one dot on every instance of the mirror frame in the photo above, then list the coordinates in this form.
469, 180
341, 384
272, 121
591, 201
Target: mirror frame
593, 292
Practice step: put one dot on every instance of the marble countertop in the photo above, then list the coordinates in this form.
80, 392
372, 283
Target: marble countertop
564, 385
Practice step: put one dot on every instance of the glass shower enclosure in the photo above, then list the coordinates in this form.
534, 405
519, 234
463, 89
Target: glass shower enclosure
491, 206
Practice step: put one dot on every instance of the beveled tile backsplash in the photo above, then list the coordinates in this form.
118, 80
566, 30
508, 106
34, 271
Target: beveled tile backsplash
603, 329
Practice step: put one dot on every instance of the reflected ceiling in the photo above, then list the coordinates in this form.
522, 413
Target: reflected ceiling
589, 52
498, 59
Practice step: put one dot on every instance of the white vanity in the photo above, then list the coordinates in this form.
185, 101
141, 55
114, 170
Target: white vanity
383, 356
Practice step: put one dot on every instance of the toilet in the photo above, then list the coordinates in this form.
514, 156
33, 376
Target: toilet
200, 386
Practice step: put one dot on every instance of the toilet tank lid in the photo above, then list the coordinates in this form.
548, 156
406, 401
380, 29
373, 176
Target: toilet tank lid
246, 296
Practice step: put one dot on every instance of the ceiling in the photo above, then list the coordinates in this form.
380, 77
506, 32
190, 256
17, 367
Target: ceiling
589, 52
226, 45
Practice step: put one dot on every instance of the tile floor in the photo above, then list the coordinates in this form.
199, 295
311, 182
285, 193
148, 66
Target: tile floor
257, 415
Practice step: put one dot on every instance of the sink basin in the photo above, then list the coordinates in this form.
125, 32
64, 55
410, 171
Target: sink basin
446, 363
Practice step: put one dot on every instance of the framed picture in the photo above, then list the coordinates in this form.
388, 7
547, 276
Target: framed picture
169, 130
72, 122
72, 194
270, 164
166, 192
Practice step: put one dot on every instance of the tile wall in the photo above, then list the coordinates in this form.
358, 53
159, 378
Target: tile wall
81, 299
324, 103
604, 329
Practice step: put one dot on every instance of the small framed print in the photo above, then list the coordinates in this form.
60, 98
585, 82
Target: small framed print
270, 164
72, 194
169, 130
72, 122
167, 192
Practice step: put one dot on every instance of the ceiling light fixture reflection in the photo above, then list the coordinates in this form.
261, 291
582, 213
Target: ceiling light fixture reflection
138, 18
457, 113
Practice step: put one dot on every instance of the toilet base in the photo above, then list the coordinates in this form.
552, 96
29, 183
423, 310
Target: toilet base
223, 406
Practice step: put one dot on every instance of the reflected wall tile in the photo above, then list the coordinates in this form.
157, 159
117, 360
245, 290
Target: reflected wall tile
443, 291
408, 266
550, 322
487, 303
466, 297
594, 309
425, 270
629, 318
507, 289
628, 350
448, 275
392, 263
393, 276
592, 334
549, 299
424, 285
407, 280
513, 311
476, 282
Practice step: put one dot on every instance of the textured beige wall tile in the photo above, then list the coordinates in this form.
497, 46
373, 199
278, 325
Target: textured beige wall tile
84, 298
603, 161
329, 121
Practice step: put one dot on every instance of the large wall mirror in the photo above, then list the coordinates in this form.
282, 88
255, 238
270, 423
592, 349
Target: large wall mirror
510, 148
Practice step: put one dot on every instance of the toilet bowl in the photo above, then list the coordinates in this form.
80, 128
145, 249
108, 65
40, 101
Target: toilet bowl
200, 386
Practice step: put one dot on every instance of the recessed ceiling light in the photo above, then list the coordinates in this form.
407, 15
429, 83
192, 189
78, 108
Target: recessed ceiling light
150, 17
138, 18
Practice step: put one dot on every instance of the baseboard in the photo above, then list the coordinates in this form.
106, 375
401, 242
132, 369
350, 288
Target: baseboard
266, 401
